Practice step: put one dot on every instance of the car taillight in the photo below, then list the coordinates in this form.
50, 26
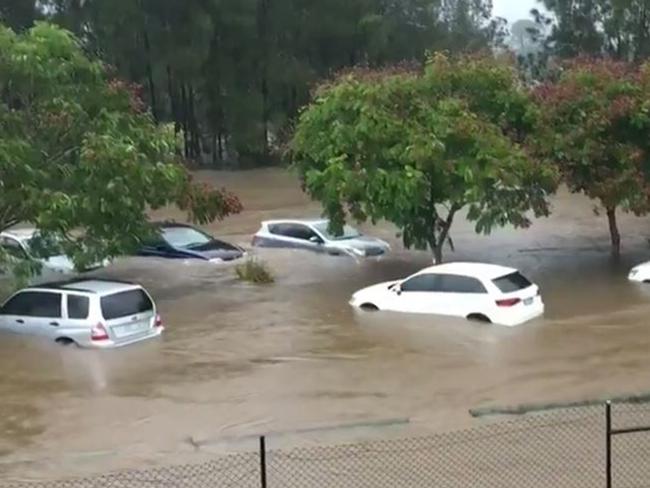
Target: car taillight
158, 322
99, 333
509, 302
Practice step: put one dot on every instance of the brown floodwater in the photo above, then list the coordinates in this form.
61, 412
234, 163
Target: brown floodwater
293, 360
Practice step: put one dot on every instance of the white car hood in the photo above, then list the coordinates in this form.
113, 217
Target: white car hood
374, 289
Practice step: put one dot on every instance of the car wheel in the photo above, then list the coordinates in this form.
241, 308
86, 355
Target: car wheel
369, 307
479, 317
65, 341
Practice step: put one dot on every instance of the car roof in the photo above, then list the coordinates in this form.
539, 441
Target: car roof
96, 286
296, 221
20, 234
484, 271
166, 224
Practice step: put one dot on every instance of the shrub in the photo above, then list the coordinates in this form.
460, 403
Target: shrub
254, 271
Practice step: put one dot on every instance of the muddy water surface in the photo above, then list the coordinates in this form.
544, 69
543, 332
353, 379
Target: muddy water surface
294, 360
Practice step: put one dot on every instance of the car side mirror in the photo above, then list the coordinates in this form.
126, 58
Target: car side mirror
397, 289
316, 240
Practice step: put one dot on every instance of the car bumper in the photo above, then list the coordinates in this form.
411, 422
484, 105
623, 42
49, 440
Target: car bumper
520, 315
111, 344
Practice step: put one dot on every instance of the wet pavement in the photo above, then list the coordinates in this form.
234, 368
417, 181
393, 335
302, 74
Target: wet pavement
294, 360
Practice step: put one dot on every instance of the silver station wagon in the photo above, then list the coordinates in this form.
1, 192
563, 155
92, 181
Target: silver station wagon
90, 313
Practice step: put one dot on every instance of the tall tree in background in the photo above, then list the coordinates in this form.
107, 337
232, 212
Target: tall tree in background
232, 74
18, 14
616, 28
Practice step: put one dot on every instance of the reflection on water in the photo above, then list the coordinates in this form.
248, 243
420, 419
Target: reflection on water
239, 360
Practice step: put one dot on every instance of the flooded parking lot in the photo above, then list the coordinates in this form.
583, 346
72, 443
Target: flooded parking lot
294, 358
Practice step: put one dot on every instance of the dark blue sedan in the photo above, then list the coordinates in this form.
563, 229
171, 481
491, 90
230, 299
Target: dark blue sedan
180, 241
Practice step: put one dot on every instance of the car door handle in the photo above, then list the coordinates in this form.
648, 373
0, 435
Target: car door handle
54, 324
20, 321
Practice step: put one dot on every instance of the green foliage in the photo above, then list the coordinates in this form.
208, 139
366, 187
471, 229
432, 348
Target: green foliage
415, 148
254, 271
79, 157
595, 125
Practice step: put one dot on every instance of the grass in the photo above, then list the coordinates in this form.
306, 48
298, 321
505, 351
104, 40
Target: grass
254, 271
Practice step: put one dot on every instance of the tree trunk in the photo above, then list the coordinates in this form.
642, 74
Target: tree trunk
437, 252
150, 81
444, 226
184, 121
173, 100
263, 33
195, 132
613, 232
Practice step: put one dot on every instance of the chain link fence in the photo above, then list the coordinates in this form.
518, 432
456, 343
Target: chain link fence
558, 449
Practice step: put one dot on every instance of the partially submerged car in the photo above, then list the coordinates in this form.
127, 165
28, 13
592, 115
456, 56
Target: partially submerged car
19, 243
314, 235
90, 313
181, 241
640, 273
476, 291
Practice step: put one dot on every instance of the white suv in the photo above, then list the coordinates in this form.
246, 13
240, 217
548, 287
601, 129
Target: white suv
86, 312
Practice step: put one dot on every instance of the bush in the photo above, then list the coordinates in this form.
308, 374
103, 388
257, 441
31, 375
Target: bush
254, 271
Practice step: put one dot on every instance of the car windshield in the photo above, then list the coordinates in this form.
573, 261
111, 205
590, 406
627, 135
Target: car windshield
185, 237
348, 232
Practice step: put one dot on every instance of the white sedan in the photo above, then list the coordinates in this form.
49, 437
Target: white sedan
476, 291
640, 273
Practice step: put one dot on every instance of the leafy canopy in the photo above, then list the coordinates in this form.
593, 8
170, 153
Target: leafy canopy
414, 148
80, 158
595, 123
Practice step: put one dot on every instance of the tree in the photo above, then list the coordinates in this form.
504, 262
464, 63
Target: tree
80, 158
577, 28
595, 128
18, 14
232, 74
616, 28
416, 148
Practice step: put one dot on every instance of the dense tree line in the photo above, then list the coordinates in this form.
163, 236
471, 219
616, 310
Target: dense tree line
616, 28
232, 74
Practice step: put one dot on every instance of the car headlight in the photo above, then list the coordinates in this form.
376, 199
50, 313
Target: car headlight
634, 272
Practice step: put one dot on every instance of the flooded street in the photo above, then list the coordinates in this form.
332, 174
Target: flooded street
293, 359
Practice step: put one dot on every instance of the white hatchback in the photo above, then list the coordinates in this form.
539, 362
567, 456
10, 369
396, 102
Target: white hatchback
476, 291
640, 273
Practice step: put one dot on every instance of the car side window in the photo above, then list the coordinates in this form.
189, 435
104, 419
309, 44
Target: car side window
460, 284
13, 247
421, 283
34, 304
280, 229
78, 306
296, 231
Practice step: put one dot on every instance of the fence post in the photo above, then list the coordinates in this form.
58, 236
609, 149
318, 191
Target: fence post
608, 451
263, 462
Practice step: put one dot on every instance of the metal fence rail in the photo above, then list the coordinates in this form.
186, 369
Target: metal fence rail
587, 447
